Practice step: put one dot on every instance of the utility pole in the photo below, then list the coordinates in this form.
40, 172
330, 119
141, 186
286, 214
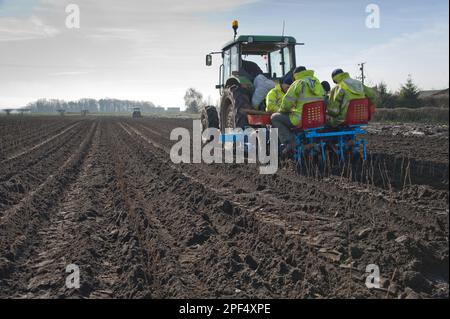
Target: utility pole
361, 68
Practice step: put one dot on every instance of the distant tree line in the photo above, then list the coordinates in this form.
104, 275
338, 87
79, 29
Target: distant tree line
92, 106
409, 96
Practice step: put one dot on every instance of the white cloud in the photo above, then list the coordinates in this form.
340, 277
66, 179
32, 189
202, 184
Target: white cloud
136, 49
68, 73
16, 29
422, 54
154, 50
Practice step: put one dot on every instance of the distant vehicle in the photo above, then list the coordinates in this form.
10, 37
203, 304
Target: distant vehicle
137, 113
61, 112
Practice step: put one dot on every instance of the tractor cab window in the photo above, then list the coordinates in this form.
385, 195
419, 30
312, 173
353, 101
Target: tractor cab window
276, 62
262, 61
288, 59
280, 62
234, 59
226, 65
275, 59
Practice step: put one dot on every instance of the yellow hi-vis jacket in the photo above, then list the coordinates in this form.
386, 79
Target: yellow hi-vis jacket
274, 98
305, 89
346, 90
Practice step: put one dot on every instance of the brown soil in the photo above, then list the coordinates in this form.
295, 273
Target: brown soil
103, 194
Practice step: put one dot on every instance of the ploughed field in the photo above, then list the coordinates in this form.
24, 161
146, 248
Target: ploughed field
103, 194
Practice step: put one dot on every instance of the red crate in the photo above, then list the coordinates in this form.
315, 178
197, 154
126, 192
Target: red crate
358, 112
259, 120
313, 115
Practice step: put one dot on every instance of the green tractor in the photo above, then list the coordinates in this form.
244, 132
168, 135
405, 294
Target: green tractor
244, 58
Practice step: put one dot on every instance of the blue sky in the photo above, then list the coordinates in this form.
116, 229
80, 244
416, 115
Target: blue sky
326, 21
17, 7
334, 30
155, 49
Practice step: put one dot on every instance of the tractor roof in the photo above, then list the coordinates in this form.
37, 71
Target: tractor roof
256, 39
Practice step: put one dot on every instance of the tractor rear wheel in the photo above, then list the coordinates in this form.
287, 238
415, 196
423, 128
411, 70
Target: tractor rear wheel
137, 115
234, 99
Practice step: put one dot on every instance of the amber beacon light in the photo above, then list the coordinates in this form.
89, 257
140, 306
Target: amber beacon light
235, 25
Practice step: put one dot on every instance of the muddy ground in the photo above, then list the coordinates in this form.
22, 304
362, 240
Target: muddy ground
103, 194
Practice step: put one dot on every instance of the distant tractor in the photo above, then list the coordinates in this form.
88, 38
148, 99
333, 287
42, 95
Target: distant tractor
250, 56
61, 112
136, 113
84, 112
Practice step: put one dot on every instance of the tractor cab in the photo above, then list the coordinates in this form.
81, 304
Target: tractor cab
249, 55
243, 59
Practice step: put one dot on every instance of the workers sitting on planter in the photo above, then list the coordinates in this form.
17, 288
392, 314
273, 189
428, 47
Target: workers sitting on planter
345, 91
306, 89
276, 95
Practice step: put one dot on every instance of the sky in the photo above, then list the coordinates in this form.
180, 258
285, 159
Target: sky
153, 50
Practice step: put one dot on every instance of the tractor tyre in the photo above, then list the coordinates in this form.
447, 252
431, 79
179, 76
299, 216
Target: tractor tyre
234, 99
209, 118
137, 115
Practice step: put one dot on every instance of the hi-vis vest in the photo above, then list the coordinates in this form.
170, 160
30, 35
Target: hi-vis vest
274, 99
347, 90
305, 89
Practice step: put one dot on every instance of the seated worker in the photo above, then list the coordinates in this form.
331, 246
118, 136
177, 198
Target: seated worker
305, 89
346, 90
275, 96
250, 70
327, 88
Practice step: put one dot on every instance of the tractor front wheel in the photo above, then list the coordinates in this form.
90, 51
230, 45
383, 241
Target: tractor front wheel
209, 117
234, 98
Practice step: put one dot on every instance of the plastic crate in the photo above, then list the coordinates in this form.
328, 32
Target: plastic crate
259, 120
313, 115
359, 112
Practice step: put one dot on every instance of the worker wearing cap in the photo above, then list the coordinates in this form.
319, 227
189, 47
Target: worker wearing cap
276, 95
327, 88
346, 90
305, 89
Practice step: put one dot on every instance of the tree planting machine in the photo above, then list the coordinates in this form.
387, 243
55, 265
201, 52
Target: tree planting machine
275, 56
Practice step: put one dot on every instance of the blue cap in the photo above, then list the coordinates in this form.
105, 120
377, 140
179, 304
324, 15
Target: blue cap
288, 79
299, 69
336, 72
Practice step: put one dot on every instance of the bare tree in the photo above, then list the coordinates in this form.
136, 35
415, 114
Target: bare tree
193, 100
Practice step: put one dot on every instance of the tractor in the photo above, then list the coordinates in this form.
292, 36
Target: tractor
275, 57
136, 113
